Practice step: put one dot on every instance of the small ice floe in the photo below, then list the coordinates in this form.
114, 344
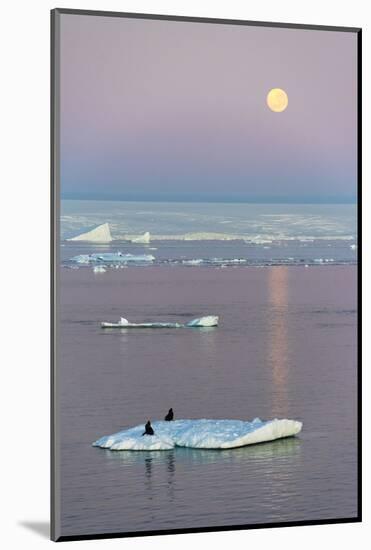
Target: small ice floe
99, 269
206, 321
196, 261
81, 259
200, 434
323, 260
258, 239
353, 246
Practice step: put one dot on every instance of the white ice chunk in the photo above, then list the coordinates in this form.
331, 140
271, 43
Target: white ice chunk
207, 321
123, 321
99, 269
100, 234
142, 239
200, 434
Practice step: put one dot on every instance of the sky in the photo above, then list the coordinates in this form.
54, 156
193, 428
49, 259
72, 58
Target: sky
170, 110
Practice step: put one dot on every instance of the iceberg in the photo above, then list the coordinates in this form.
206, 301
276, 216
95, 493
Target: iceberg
207, 321
142, 239
112, 257
100, 234
200, 434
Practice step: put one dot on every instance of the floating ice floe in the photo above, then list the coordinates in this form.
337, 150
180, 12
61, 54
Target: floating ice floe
113, 258
196, 261
200, 434
353, 246
99, 269
206, 321
100, 234
323, 260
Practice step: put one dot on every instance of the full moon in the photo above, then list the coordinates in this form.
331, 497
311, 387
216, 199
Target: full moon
277, 100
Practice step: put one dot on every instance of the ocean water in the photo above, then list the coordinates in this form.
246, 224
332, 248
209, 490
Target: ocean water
285, 348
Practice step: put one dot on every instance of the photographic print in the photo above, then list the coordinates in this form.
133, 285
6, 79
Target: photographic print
205, 183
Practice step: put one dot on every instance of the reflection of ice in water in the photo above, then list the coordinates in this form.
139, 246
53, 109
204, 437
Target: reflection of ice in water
278, 338
273, 450
164, 470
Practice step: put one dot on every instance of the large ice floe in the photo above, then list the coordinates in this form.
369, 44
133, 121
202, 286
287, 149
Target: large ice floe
200, 434
112, 258
207, 321
100, 234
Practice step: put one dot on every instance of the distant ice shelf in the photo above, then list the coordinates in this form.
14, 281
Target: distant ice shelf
206, 321
200, 434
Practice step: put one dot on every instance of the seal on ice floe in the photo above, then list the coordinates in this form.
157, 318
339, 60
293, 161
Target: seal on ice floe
148, 430
169, 416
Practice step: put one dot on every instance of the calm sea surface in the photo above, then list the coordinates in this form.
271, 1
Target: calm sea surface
285, 347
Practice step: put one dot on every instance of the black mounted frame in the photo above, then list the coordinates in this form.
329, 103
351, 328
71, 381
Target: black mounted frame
55, 233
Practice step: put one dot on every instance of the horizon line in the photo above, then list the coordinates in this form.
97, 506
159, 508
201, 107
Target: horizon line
231, 200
